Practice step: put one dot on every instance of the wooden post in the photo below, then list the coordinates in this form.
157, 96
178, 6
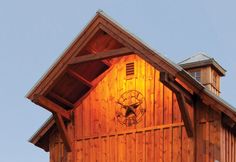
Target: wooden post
63, 132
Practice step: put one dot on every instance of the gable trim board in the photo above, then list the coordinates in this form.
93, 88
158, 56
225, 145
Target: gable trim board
41, 133
134, 45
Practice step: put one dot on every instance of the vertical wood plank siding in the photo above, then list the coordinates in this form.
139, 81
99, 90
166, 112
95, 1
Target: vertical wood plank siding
159, 137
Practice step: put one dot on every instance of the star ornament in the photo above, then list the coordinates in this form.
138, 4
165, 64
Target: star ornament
130, 108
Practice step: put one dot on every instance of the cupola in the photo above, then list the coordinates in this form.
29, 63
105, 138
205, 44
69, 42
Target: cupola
206, 70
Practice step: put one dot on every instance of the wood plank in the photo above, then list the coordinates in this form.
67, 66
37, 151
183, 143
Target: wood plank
232, 148
98, 149
167, 105
51, 106
78, 116
113, 78
140, 147
71, 156
121, 87
200, 142
93, 114
149, 144
140, 84
167, 144
158, 144
130, 80
101, 55
216, 126
79, 151
79, 77
159, 99
177, 146
103, 106
104, 149
87, 117
87, 150
207, 142
130, 147
223, 145
226, 146
121, 148
149, 87
63, 132
112, 149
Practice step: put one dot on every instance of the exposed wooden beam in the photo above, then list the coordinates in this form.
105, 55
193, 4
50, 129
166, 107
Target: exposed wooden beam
181, 94
173, 85
101, 55
92, 51
184, 113
61, 99
79, 77
51, 106
63, 131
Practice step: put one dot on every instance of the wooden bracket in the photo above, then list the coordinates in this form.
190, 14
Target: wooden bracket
58, 113
182, 95
63, 132
101, 55
51, 106
185, 114
173, 85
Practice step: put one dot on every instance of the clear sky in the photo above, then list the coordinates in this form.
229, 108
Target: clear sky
34, 33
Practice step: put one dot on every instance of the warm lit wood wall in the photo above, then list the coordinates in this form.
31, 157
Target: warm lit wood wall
228, 145
208, 126
160, 136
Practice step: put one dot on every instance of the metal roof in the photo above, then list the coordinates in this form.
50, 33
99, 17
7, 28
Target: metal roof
201, 56
201, 59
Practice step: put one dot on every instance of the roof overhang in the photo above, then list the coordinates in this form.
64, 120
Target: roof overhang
41, 137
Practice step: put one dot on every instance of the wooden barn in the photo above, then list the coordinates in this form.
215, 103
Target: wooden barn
115, 99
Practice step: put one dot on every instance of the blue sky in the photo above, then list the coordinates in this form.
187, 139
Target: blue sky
34, 33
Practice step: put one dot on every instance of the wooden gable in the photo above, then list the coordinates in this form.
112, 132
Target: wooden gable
92, 73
